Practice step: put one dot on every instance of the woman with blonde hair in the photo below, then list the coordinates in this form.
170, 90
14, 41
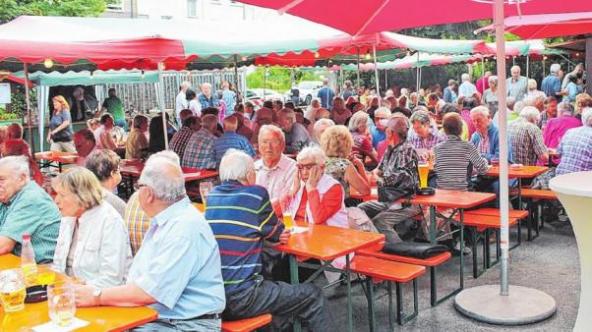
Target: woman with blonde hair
60, 126
93, 243
337, 144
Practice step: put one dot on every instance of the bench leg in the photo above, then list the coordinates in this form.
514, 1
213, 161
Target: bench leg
486, 250
529, 221
401, 317
433, 288
390, 306
370, 297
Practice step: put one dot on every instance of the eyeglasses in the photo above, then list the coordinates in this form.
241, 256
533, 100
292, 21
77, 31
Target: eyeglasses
305, 166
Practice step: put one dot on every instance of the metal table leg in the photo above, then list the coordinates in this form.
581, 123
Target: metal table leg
294, 281
433, 227
350, 318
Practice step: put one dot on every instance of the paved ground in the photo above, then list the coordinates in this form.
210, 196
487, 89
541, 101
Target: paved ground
549, 263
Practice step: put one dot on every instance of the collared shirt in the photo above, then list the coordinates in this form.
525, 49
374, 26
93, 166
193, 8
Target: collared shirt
326, 96
453, 159
557, 127
551, 85
576, 155
428, 143
229, 98
199, 152
241, 217
395, 158
137, 222
180, 102
527, 142
180, 140
101, 253
466, 89
276, 179
232, 140
517, 89
31, 211
208, 102
179, 264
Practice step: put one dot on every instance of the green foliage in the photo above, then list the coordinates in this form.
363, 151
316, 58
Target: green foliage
10, 9
278, 78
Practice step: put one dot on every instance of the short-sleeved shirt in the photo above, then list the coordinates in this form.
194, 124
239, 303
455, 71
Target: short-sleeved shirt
232, 140
199, 152
428, 143
137, 222
179, 264
180, 140
527, 142
326, 96
336, 168
64, 135
297, 138
32, 211
115, 107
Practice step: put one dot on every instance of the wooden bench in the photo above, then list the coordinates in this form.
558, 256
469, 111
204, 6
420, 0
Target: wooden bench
379, 270
535, 198
431, 263
247, 324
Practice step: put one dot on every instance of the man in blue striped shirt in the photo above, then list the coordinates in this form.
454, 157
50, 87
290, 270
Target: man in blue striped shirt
231, 140
241, 218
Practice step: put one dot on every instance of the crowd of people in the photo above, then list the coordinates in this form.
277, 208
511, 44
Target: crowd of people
316, 164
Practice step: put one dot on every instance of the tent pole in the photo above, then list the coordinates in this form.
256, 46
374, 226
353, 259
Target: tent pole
385, 80
161, 104
417, 83
588, 63
28, 104
376, 71
238, 99
527, 66
358, 68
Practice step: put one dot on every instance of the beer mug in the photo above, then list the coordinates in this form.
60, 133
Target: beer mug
423, 168
61, 303
204, 190
12, 290
287, 218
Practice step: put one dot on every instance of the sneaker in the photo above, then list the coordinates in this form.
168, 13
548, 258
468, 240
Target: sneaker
466, 250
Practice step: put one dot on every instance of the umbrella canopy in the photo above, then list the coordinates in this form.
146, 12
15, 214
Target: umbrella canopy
362, 17
547, 26
88, 78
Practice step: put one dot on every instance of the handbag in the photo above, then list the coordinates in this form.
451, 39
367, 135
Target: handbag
414, 249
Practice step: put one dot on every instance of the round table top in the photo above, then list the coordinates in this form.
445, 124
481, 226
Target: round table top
577, 184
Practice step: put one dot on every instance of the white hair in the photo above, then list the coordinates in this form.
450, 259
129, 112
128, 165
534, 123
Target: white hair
185, 85
274, 129
322, 123
19, 165
518, 106
515, 67
358, 119
587, 116
164, 175
530, 114
532, 84
206, 84
564, 107
492, 79
465, 77
555, 68
483, 110
313, 153
235, 165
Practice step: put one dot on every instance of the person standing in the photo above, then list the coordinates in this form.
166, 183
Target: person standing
181, 101
450, 92
482, 84
60, 126
114, 106
517, 85
206, 97
551, 84
466, 88
326, 95
348, 90
229, 98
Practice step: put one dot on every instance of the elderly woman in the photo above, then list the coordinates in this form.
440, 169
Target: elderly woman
337, 143
358, 126
319, 128
93, 243
60, 126
137, 141
105, 166
340, 114
313, 109
489, 97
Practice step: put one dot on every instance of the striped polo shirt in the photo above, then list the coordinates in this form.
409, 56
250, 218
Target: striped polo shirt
241, 217
455, 160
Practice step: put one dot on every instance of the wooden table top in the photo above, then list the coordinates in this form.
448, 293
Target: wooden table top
57, 156
453, 199
524, 172
99, 318
327, 243
134, 169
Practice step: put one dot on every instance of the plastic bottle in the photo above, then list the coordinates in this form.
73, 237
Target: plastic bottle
28, 263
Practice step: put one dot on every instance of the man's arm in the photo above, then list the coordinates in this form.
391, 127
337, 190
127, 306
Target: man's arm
128, 295
6, 245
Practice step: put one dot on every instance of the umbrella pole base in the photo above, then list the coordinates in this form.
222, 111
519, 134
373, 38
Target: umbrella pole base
522, 306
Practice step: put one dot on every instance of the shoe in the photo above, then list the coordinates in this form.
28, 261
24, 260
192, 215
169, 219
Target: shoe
466, 249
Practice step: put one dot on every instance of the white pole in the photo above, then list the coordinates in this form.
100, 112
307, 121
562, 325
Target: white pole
376, 71
527, 66
358, 68
28, 103
161, 104
503, 177
417, 74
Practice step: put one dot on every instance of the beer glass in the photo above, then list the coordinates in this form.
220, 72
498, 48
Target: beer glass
61, 303
287, 218
204, 190
423, 168
12, 290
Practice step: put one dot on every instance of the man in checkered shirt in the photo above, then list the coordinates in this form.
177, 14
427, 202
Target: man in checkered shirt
575, 147
527, 138
199, 152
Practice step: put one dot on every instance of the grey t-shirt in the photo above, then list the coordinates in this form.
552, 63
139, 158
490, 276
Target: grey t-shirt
115, 202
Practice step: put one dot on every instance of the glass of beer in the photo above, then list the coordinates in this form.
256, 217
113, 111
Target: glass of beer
61, 303
287, 217
204, 190
423, 168
12, 290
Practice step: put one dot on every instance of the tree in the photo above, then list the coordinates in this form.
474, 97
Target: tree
10, 9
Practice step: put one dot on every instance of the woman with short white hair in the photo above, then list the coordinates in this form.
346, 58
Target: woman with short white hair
533, 93
358, 126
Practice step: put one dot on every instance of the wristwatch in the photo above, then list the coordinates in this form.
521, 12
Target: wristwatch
97, 294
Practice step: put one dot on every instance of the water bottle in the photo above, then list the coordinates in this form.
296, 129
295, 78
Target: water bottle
28, 263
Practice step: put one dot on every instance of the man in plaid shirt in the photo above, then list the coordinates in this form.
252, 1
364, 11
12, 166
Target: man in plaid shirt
199, 152
179, 142
527, 139
424, 136
576, 147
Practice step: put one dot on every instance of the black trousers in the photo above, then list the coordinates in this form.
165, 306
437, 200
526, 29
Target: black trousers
284, 302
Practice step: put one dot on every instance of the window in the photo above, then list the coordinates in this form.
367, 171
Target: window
115, 6
191, 8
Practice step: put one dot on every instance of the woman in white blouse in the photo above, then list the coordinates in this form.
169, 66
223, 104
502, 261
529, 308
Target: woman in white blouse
93, 244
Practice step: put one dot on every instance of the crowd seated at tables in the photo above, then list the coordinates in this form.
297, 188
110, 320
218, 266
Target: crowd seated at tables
353, 154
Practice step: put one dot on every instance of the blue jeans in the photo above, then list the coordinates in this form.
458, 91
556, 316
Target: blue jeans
170, 325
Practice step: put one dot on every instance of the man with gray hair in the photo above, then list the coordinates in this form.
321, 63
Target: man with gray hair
241, 217
25, 208
274, 170
199, 151
516, 85
424, 137
526, 138
177, 271
556, 127
399, 165
207, 98
576, 155
551, 84
297, 136
181, 101
466, 88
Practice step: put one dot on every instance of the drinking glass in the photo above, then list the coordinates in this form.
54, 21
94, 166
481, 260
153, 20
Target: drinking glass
12, 290
423, 169
287, 217
204, 190
61, 303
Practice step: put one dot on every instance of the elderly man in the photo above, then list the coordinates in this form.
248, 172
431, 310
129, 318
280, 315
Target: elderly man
576, 155
206, 97
517, 85
326, 95
577, 72
25, 208
399, 162
381, 116
466, 88
179, 142
84, 141
199, 152
297, 136
424, 137
231, 140
557, 127
177, 270
274, 170
551, 84
241, 218
486, 135
181, 101
527, 139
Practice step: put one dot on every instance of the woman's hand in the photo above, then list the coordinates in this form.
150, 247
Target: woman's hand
295, 184
313, 179
49, 137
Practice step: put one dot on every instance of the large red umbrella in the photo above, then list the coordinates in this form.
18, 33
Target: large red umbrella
361, 17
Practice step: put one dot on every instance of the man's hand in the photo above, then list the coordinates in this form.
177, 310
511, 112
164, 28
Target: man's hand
84, 296
285, 236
